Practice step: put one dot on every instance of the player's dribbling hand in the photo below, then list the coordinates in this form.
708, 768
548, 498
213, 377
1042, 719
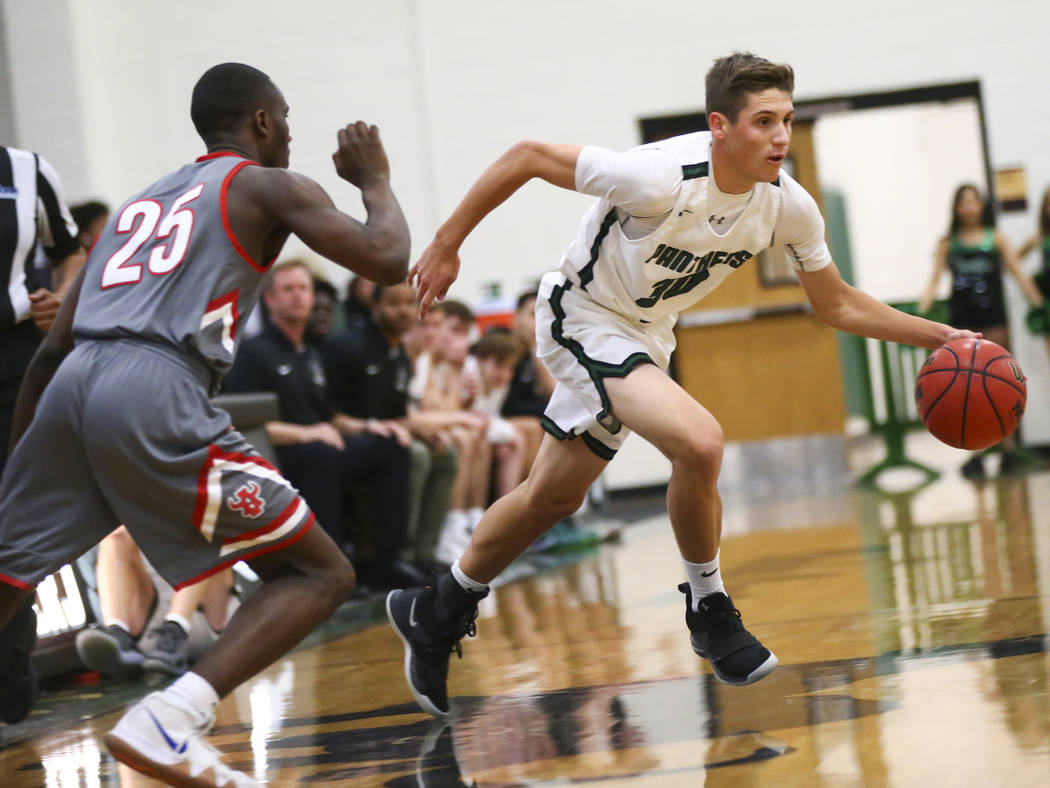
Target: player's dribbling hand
361, 159
962, 333
433, 274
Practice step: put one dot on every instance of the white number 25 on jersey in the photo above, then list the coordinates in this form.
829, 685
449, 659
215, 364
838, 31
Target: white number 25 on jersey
142, 219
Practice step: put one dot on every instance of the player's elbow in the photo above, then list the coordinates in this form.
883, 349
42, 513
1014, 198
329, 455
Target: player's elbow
524, 150
530, 158
391, 266
832, 311
383, 258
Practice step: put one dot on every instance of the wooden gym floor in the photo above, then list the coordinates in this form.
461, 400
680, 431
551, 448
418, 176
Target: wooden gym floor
911, 630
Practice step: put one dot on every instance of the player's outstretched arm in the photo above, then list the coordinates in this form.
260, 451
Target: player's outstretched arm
57, 344
438, 266
849, 309
379, 248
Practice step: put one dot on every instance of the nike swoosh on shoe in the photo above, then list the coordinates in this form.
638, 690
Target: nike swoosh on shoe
412, 614
179, 749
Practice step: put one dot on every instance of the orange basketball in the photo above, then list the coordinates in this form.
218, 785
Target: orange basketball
971, 393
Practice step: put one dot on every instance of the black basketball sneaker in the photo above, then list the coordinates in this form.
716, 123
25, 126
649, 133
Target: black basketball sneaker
18, 687
430, 622
718, 635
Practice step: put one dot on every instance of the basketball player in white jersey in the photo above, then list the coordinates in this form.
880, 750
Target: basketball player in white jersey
671, 221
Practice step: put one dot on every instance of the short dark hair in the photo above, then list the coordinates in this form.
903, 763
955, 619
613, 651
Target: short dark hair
734, 77
378, 290
86, 212
524, 298
226, 96
497, 345
355, 284
456, 309
322, 285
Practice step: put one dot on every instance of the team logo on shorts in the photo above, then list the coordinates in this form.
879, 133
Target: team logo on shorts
247, 501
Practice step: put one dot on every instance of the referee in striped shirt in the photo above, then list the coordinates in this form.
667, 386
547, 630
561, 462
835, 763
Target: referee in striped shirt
35, 224
40, 258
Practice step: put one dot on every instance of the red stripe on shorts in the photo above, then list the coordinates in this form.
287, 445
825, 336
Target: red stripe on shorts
215, 453
276, 523
295, 537
16, 583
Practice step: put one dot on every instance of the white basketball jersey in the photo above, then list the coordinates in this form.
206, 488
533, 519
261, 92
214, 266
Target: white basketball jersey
660, 274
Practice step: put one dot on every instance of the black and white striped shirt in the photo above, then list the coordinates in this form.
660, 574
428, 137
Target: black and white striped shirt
33, 217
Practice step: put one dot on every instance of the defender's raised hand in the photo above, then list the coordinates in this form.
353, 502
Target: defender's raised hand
361, 159
433, 274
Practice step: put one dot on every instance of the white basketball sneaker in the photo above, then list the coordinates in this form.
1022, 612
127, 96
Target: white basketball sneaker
161, 739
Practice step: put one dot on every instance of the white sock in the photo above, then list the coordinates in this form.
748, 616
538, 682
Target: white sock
181, 621
195, 691
704, 579
455, 519
465, 582
474, 517
116, 622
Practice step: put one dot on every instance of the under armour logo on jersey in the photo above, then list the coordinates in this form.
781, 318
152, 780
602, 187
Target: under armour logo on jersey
716, 219
247, 501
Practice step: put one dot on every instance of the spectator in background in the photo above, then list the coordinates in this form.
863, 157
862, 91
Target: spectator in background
358, 304
444, 388
974, 252
129, 594
322, 452
531, 385
1038, 319
420, 338
90, 218
497, 355
33, 217
368, 372
319, 326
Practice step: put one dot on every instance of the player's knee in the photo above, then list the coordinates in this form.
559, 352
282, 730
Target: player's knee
700, 451
346, 581
119, 543
121, 537
553, 505
340, 580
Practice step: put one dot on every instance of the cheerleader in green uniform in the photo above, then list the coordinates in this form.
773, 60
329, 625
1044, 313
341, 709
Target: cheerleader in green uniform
975, 254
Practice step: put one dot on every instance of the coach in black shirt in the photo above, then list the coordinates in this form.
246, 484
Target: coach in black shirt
371, 375
271, 361
322, 451
368, 373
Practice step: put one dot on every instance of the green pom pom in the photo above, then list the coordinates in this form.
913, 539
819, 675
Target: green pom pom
1038, 319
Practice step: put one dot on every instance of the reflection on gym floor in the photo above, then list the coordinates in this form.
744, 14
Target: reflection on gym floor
911, 634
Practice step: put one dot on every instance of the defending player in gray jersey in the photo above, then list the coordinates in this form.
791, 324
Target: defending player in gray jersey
115, 405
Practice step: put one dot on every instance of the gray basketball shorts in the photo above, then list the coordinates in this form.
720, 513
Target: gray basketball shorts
125, 433
582, 344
